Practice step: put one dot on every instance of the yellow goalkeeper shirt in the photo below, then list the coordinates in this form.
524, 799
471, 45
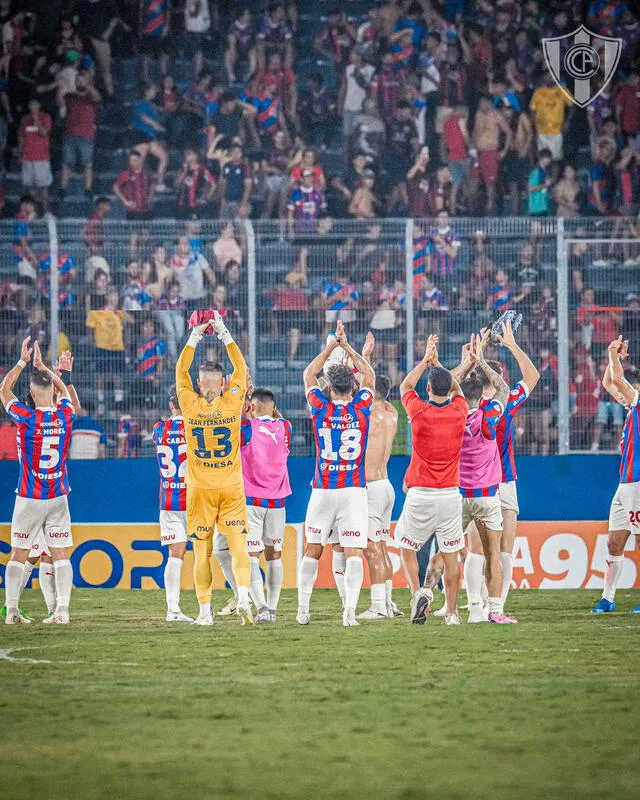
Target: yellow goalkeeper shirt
212, 429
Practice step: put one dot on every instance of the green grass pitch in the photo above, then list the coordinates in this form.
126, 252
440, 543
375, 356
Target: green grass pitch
125, 706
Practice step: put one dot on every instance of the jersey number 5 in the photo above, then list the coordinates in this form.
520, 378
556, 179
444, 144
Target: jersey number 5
49, 454
168, 466
222, 444
350, 447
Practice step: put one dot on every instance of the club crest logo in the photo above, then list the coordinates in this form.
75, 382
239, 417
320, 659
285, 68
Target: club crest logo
582, 63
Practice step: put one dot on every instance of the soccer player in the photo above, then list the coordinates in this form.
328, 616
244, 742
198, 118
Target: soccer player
433, 505
39, 550
339, 495
380, 497
44, 434
215, 493
266, 443
480, 477
474, 566
171, 452
624, 516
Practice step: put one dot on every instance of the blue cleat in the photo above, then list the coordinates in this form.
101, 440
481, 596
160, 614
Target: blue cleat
605, 607
635, 610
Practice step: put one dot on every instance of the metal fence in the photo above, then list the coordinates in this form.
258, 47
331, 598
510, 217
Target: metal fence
122, 293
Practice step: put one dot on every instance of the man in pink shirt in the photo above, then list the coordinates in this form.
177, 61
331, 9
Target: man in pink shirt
266, 442
480, 478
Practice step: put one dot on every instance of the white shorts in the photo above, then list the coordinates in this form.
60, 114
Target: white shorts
266, 528
551, 142
380, 500
173, 527
509, 497
39, 547
344, 510
624, 514
31, 517
429, 512
482, 509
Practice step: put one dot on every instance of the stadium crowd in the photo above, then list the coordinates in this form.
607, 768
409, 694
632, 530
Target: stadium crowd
202, 111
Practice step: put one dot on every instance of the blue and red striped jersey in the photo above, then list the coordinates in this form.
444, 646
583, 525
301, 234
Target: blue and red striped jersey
44, 436
155, 16
517, 397
341, 431
148, 356
630, 445
171, 452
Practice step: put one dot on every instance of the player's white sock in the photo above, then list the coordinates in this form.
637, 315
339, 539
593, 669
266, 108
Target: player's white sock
63, 573
353, 577
338, 565
205, 609
28, 569
47, 579
494, 605
275, 577
256, 590
224, 559
378, 598
306, 579
388, 588
612, 569
243, 596
172, 572
484, 592
507, 574
13, 583
473, 567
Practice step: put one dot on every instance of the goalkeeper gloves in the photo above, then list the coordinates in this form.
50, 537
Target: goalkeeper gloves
196, 334
221, 329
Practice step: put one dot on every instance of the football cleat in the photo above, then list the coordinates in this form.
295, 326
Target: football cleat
604, 606
393, 610
24, 618
57, 618
420, 604
476, 613
273, 617
441, 612
501, 619
244, 612
451, 619
508, 316
371, 614
16, 617
635, 610
263, 615
203, 619
229, 609
178, 616
349, 618
303, 617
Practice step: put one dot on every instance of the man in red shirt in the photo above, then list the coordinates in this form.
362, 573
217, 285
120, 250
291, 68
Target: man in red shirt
433, 505
628, 105
34, 136
93, 232
286, 87
134, 187
80, 130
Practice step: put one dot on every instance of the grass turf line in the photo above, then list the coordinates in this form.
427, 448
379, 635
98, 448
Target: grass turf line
546, 708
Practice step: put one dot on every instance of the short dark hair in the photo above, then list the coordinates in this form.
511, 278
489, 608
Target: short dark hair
472, 388
228, 97
41, 379
263, 396
340, 378
173, 396
211, 366
135, 153
545, 153
440, 380
435, 35
383, 386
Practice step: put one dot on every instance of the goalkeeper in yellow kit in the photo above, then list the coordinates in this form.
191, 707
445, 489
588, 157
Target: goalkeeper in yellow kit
215, 492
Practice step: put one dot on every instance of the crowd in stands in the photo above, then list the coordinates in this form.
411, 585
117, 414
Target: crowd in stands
303, 114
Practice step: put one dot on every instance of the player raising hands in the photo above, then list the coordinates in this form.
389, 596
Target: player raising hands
215, 493
338, 500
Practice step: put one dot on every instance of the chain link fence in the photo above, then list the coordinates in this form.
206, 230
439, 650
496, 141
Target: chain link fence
125, 291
